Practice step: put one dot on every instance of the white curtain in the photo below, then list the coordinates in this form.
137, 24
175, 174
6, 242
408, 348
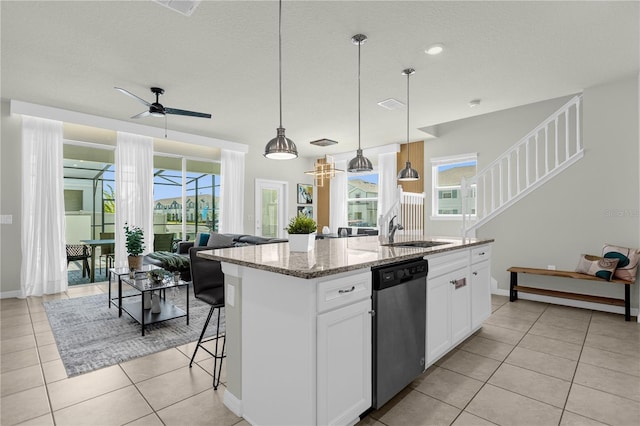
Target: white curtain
232, 185
44, 266
338, 198
387, 184
134, 190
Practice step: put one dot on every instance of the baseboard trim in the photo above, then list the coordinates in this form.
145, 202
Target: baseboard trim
575, 303
9, 294
232, 403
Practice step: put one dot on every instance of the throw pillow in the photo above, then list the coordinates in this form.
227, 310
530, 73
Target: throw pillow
219, 241
627, 261
201, 239
597, 266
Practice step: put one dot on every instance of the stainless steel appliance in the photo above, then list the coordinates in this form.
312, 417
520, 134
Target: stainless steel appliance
399, 327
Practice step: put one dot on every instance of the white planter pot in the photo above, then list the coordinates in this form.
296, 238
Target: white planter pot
302, 242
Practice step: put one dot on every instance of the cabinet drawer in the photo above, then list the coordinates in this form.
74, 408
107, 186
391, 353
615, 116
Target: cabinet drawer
442, 264
343, 291
478, 254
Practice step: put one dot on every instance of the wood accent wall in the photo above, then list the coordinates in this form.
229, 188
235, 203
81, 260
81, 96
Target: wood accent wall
322, 202
417, 162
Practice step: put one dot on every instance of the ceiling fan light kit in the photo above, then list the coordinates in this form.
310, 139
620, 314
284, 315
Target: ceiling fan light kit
280, 147
408, 173
359, 163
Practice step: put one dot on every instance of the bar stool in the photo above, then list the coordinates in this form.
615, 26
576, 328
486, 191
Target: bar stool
208, 286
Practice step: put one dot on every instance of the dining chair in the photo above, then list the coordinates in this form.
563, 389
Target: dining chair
79, 252
106, 251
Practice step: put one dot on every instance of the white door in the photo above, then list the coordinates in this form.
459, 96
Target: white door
271, 208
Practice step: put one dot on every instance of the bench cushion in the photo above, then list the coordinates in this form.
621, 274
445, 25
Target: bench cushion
597, 266
627, 261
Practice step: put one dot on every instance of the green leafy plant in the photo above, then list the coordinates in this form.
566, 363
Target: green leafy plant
135, 240
157, 274
301, 224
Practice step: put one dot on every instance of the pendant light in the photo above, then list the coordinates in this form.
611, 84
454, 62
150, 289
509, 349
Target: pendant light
359, 163
280, 147
408, 174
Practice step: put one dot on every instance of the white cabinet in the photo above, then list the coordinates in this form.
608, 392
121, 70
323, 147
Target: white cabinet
343, 349
480, 285
344, 363
448, 303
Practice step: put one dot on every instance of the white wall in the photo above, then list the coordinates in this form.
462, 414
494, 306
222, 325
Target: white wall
596, 201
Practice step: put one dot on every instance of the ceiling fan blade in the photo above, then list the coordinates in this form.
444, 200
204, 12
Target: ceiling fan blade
187, 113
128, 93
142, 114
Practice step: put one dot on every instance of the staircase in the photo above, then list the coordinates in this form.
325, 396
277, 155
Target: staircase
544, 152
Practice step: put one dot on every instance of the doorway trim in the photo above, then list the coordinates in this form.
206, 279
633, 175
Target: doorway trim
283, 204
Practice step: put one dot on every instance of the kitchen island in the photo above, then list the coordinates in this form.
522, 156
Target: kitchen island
298, 325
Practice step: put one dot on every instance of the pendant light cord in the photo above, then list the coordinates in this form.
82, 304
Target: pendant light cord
359, 46
408, 144
280, 55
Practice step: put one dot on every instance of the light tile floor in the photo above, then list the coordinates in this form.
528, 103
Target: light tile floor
531, 364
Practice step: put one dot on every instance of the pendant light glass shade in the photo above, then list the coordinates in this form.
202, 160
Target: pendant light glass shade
359, 163
408, 173
280, 147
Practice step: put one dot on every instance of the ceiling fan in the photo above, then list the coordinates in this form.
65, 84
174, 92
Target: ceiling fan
156, 109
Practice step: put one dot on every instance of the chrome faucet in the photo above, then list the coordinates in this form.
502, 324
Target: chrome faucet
393, 228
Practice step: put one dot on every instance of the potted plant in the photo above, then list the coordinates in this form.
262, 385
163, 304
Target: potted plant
302, 233
135, 245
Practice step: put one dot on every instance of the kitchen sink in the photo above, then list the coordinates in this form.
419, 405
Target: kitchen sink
421, 244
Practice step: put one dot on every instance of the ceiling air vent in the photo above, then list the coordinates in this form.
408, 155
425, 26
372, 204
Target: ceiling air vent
185, 7
323, 142
391, 104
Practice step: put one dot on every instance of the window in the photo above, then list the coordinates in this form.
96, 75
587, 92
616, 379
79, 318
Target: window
202, 196
89, 182
447, 185
362, 200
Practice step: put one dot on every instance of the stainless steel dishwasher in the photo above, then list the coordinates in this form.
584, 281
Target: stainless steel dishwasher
399, 327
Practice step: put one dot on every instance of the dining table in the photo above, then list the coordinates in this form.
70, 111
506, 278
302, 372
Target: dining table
94, 244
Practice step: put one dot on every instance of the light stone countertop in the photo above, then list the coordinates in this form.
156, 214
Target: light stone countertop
332, 255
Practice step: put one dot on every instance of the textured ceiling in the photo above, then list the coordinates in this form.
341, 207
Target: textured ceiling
223, 60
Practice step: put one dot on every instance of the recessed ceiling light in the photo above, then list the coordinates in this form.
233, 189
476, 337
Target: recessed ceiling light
391, 104
474, 103
434, 49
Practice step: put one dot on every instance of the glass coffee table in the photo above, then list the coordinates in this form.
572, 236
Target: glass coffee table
133, 305
120, 272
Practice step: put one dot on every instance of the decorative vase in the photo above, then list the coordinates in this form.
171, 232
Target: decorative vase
302, 242
146, 300
326, 230
135, 262
155, 303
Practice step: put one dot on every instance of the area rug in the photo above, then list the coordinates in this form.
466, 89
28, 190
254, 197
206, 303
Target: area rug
90, 335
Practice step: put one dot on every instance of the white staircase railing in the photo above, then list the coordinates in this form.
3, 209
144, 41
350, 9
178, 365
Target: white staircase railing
409, 209
544, 152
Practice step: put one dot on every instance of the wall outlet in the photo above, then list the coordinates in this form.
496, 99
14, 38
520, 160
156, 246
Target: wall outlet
551, 267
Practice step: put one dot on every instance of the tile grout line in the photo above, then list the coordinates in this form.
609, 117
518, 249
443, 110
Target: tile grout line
491, 375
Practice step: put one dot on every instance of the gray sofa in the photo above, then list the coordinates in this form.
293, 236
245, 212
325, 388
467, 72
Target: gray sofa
214, 241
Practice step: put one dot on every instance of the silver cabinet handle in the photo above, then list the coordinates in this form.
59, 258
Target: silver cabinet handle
372, 313
475, 273
347, 291
481, 253
452, 282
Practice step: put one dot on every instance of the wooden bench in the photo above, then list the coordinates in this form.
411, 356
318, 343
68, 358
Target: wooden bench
514, 288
